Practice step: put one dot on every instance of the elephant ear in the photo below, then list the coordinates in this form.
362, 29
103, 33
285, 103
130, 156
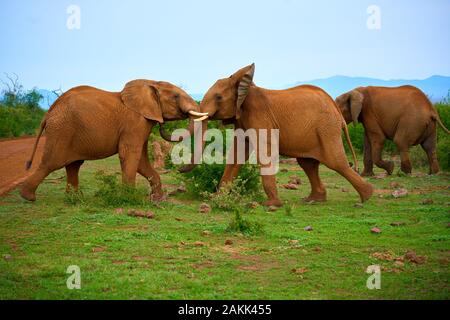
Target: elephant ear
243, 86
143, 98
356, 100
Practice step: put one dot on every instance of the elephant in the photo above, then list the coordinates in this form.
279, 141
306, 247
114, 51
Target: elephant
87, 123
402, 114
309, 123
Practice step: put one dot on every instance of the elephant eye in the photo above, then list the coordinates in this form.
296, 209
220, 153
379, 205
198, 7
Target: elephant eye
176, 97
219, 97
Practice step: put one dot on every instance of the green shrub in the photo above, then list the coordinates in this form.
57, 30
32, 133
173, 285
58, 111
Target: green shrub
443, 143
206, 177
112, 193
239, 224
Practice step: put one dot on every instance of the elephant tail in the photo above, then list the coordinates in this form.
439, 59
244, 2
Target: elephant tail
30, 162
438, 120
349, 142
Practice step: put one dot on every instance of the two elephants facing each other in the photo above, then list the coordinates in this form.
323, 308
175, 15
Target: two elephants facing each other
402, 114
87, 123
309, 123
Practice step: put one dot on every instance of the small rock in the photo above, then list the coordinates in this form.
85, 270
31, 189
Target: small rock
427, 201
206, 233
375, 230
141, 214
272, 209
98, 249
228, 242
179, 219
411, 256
400, 193
399, 263
293, 242
295, 180
344, 190
7, 257
205, 208
308, 228
253, 205
119, 210
397, 223
299, 270
284, 170
395, 185
180, 189
317, 249
290, 186
358, 205
199, 244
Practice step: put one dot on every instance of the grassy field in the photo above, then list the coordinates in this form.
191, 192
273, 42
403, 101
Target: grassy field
172, 257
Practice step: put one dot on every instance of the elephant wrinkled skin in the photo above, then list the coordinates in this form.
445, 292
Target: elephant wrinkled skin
87, 123
309, 122
402, 114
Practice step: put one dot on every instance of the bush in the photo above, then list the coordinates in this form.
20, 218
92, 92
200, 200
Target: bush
111, 193
239, 224
206, 177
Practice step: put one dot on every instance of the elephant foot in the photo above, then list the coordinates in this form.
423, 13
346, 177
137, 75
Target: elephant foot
316, 197
158, 197
366, 193
273, 203
389, 167
367, 174
406, 169
434, 170
27, 194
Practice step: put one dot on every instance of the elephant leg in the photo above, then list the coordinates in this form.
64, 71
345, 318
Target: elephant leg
403, 148
28, 188
130, 157
429, 146
146, 169
368, 162
270, 187
50, 162
72, 175
232, 170
377, 143
311, 168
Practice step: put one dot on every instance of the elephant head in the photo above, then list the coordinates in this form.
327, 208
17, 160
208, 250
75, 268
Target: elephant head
350, 104
160, 101
224, 101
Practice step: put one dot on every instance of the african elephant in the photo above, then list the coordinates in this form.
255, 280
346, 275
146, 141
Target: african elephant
401, 114
309, 123
87, 123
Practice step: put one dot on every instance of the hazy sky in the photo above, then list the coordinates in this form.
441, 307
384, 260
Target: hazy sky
194, 42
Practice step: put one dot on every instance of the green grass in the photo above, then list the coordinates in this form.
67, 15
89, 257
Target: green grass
125, 257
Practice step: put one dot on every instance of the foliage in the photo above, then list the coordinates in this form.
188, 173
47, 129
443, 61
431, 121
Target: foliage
206, 177
242, 225
112, 193
20, 113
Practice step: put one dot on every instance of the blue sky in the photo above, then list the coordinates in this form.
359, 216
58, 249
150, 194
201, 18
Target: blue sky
194, 42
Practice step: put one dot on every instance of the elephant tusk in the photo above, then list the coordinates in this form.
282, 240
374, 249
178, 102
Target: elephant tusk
198, 114
201, 119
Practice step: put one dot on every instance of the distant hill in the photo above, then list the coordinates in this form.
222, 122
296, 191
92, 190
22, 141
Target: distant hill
435, 87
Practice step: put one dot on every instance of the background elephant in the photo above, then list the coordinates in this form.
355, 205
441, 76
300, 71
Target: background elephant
310, 127
86, 123
402, 114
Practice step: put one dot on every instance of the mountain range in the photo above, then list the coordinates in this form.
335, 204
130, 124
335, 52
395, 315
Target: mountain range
436, 87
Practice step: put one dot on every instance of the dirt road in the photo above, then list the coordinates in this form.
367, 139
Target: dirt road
13, 156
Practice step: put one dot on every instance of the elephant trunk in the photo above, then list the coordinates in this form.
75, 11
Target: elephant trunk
198, 147
165, 135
